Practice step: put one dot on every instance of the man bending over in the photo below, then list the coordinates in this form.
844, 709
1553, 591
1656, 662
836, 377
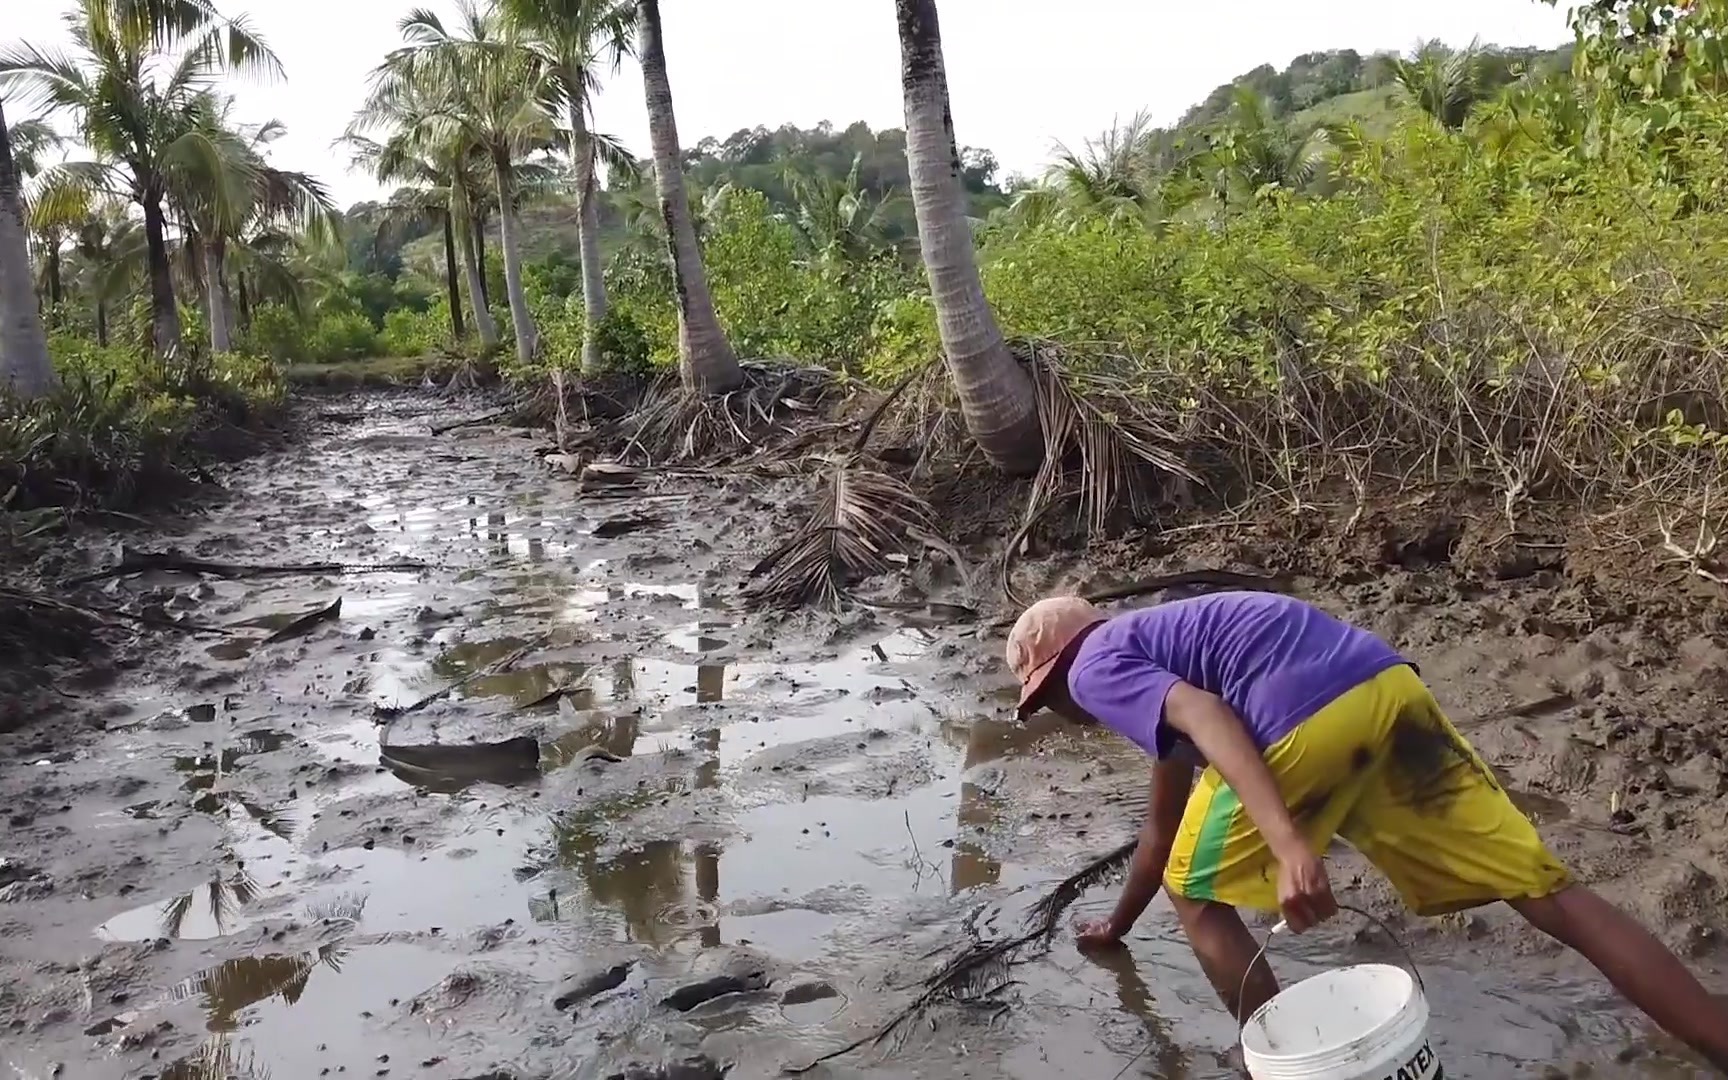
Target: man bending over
1302, 728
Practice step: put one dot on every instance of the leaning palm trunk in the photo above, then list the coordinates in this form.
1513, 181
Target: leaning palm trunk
996, 395
24, 366
164, 316
221, 340
521, 320
484, 324
588, 233
705, 357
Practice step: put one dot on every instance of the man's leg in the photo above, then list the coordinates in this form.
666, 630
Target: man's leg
1225, 950
1439, 825
1638, 965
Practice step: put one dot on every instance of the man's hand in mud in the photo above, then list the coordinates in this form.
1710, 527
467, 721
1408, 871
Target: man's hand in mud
1304, 893
1096, 934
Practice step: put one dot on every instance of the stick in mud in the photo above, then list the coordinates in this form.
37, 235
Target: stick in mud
138, 562
387, 713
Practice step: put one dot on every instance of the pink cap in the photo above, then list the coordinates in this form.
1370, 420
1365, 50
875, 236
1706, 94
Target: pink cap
1039, 636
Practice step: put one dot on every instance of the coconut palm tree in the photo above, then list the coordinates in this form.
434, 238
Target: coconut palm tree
1109, 176
837, 218
24, 366
1440, 81
132, 87
494, 95
575, 39
111, 253
415, 152
427, 200
705, 357
1250, 151
996, 394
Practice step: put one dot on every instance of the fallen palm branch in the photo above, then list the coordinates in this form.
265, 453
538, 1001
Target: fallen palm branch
674, 424
139, 562
861, 517
474, 421
1102, 440
980, 971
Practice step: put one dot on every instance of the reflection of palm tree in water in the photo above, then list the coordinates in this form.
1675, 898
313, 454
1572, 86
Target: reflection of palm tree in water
235, 985
986, 741
1168, 1060
708, 891
226, 894
641, 883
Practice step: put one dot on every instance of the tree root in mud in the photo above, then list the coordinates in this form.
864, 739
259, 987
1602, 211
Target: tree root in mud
139, 562
1210, 580
980, 971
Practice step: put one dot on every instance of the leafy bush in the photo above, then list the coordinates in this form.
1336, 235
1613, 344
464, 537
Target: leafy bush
415, 333
121, 422
340, 335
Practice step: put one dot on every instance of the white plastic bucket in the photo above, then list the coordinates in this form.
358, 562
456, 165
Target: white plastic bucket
1366, 1022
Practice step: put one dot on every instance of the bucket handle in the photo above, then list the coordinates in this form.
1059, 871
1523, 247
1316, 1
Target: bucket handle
1266, 944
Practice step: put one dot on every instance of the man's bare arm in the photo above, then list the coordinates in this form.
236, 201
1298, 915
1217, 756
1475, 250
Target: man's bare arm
1172, 780
1217, 732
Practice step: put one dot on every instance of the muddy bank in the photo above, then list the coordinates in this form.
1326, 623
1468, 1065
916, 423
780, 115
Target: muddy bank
558, 806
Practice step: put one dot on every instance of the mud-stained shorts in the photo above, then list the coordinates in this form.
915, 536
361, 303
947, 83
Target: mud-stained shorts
1383, 768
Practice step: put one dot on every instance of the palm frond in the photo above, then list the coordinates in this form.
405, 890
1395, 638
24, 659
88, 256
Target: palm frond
860, 518
1118, 452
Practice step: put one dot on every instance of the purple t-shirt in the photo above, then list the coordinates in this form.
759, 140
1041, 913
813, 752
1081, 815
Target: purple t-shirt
1273, 659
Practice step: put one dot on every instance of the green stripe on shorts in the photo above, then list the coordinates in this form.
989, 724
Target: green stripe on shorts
1209, 848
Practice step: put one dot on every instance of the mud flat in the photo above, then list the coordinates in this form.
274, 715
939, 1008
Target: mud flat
558, 806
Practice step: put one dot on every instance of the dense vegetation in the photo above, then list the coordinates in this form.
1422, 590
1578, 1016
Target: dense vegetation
1500, 265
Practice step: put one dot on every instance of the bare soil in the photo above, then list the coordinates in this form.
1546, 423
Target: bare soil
649, 833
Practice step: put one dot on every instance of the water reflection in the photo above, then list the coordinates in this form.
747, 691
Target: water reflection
235, 985
221, 898
1168, 1060
984, 741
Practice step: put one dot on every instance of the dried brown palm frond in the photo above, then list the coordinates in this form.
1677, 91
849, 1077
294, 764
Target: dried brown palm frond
921, 419
980, 972
673, 424
861, 517
1101, 441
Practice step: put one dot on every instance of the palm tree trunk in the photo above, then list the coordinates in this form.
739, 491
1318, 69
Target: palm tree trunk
480, 255
221, 340
705, 358
102, 323
450, 285
996, 394
54, 271
164, 316
588, 239
483, 322
521, 320
24, 365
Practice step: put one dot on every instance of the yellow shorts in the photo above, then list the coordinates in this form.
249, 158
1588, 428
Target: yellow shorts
1383, 768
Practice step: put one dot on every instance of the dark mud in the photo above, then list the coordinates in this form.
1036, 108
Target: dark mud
649, 834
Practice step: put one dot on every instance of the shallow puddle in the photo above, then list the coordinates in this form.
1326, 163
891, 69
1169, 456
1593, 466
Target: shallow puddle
659, 780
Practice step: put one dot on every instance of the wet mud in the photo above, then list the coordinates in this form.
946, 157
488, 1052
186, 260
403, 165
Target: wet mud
557, 806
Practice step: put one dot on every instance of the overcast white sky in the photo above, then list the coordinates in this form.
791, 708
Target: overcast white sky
1023, 73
